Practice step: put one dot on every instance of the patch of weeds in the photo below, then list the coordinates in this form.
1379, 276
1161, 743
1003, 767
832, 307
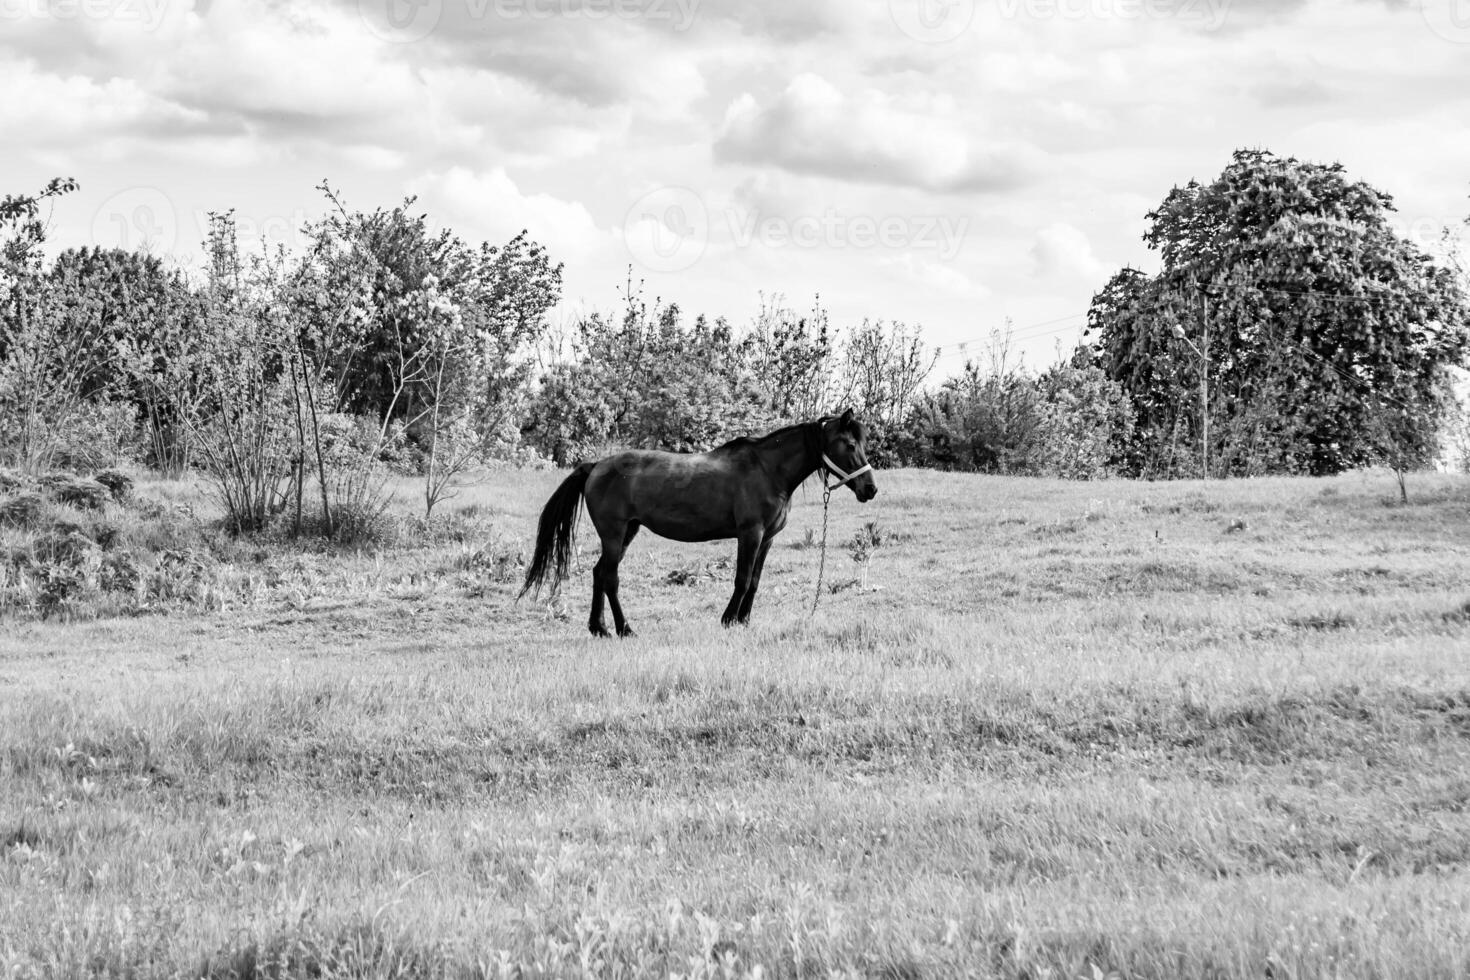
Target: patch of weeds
866, 541
1460, 614
687, 575
1058, 529
119, 485
21, 508
490, 561
83, 493
1323, 622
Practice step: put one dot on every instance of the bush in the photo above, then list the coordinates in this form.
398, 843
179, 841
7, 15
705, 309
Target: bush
119, 572
100, 434
21, 509
83, 493
120, 485
1083, 424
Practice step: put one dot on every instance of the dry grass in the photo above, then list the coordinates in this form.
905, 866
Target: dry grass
1167, 730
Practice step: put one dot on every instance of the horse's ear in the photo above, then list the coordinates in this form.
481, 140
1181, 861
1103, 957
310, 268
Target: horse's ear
846, 419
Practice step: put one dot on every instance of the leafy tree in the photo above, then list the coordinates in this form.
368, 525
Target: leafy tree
1083, 422
651, 379
790, 357
415, 282
42, 365
983, 419
1290, 289
22, 230
882, 366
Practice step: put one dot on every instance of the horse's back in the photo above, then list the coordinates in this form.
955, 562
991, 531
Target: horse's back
685, 496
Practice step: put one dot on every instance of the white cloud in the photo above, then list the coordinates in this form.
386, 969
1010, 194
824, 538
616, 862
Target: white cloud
814, 127
1062, 252
490, 207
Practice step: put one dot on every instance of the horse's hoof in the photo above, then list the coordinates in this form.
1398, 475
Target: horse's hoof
599, 631
626, 632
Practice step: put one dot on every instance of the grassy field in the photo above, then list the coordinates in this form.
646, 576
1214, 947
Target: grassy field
1064, 730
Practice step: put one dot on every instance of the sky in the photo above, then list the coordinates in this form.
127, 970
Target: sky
951, 164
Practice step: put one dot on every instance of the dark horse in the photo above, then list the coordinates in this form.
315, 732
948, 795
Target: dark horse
741, 490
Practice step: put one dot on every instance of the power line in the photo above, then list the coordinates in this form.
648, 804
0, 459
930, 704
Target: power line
1029, 332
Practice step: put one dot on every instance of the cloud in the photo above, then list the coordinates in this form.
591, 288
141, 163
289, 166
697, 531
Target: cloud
51, 110
814, 128
491, 207
1061, 252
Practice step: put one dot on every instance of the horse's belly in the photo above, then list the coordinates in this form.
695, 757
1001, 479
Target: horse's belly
679, 526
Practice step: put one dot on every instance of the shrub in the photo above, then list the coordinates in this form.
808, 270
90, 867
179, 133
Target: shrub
119, 572
83, 493
99, 434
21, 509
120, 485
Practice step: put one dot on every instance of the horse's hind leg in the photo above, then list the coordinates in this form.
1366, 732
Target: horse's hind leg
594, 622
606, 573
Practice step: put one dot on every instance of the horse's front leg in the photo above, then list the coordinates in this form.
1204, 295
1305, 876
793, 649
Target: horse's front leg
755, 579
750, 546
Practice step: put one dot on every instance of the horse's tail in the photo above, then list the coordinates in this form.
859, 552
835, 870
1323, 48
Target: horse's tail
554, 535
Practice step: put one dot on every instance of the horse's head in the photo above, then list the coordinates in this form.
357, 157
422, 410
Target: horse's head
845, 455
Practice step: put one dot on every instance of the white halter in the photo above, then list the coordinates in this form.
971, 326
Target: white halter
843, 477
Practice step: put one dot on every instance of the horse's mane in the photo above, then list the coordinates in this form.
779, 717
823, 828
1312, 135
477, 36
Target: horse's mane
742, 442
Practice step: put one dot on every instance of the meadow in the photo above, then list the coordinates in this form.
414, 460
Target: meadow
1052, 730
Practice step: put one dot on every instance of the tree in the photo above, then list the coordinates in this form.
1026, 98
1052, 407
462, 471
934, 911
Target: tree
1083, 422
1305, 306
422, 333
42, 366
790, 357
413, 279
882, 367
983, 419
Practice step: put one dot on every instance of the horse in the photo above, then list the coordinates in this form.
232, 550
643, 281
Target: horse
741, 490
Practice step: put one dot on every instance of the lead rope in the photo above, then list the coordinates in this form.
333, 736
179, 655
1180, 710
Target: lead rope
822, 566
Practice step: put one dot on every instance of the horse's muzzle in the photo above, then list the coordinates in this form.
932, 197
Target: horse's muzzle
866, 492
